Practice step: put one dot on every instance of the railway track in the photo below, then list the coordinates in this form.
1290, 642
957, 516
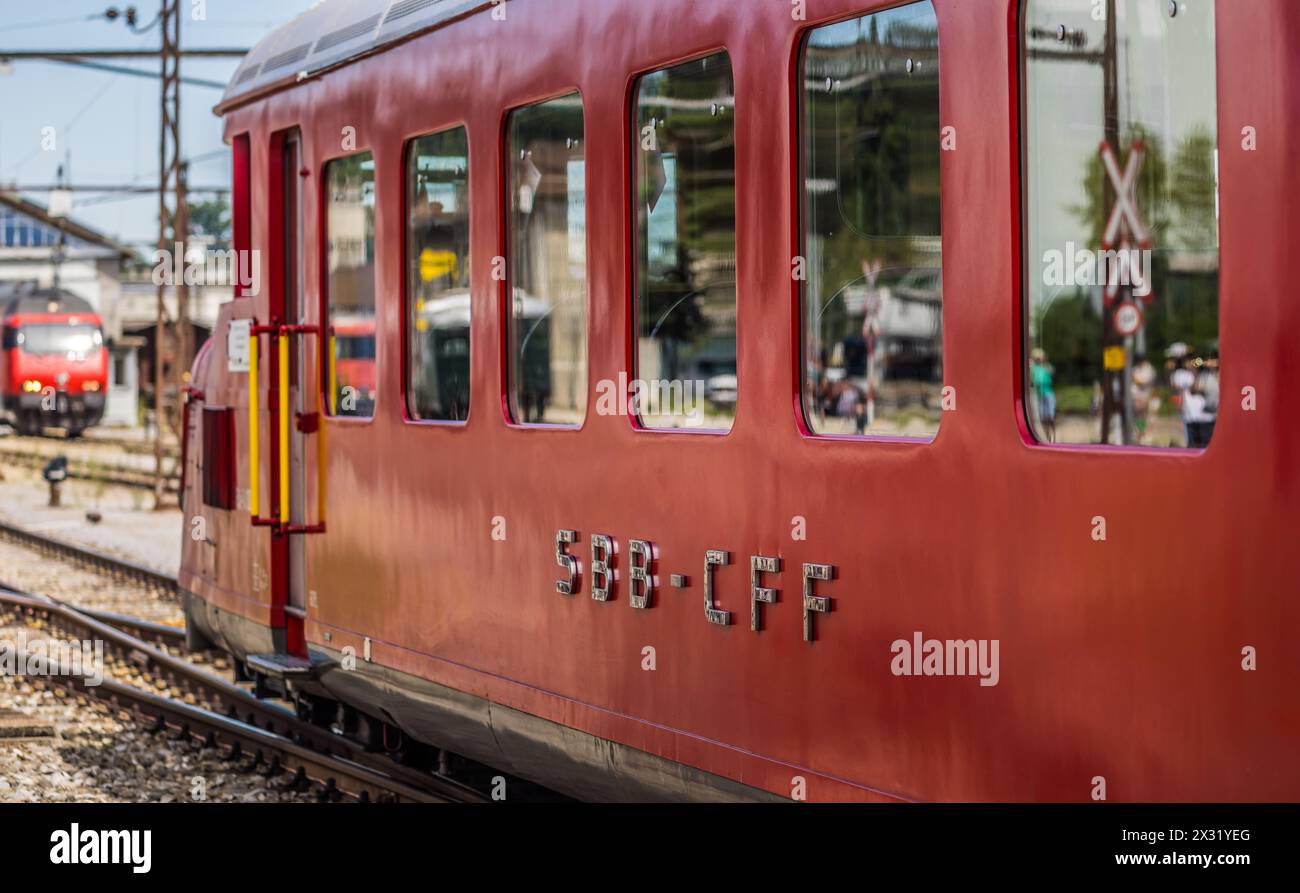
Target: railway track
93, 438
223, 712
93, 441
192, 701
117, 568
81, 469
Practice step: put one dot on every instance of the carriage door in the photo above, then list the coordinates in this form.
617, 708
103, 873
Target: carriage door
299, 411
295, 436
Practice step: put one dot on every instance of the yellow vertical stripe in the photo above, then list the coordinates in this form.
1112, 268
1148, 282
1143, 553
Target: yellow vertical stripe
254, 460
284, 428
334, 378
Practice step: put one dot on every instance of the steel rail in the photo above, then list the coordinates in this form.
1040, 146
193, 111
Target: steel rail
149, 631
334, 775
86, 470
307, 747
117, 567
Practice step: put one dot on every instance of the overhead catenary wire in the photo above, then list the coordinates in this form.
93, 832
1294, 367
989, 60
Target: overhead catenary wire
49, 23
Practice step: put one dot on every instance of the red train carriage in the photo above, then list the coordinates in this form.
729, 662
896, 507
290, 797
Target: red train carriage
1000, 505
54, 372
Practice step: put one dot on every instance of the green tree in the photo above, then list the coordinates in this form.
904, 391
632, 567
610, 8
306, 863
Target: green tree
211, 218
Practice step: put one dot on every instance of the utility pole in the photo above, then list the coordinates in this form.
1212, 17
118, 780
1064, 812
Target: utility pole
61, 250
172, 349
170, 236
1116, 390
184, 332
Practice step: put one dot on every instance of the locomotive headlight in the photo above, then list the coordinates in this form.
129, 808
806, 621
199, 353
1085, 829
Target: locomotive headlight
31, 387
90, 387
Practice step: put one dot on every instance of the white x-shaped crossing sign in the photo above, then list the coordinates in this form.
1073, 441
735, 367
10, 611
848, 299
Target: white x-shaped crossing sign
1125, 185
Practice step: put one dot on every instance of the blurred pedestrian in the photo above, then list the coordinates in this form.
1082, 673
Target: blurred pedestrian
1190, 405
1040, 382
1144, 399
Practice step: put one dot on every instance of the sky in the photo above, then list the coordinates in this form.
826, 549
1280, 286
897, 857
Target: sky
107, 124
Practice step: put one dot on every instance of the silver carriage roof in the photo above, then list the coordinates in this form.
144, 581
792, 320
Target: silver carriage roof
334, 32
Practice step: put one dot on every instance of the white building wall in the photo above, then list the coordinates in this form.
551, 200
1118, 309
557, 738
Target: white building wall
92, 278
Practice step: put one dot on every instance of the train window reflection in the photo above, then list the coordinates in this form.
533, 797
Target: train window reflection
684, 133
1122, 229
350, 286
548, 263
872, 284
437, 261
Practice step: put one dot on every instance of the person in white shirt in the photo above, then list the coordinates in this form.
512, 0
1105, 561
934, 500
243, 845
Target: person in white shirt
1183, 380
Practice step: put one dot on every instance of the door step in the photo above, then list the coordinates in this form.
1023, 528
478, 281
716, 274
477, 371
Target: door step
287, 666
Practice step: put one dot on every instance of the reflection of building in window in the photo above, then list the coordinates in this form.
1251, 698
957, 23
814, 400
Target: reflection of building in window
576, 182
350, 230
547, 264
686, 243
661, 223
873, 286
438, 296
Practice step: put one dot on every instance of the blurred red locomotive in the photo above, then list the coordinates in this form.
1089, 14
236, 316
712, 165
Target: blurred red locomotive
54, 372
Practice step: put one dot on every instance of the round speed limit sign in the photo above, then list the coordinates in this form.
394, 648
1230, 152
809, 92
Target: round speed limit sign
1127, 319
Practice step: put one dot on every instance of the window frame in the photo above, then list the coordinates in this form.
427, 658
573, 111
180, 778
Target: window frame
322, 247
632, 270
408, 145
798, 194
1022, 390
505, 287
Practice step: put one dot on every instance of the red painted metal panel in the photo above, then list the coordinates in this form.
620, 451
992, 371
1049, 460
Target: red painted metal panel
1119, 659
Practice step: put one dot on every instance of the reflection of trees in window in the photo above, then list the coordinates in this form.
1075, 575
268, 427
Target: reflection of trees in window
1133, 75
872, 299
686, 215
1176, 199
1194, 191
1176, 196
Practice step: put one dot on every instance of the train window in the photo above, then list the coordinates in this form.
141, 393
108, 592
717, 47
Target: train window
870, 268
548, 263
685, 176
241, 213
218, 457
437, 277
73, 341
350, 285
1121, 222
